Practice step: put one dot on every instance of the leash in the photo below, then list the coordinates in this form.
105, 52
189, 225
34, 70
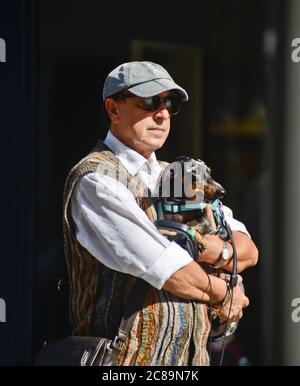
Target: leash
233, 276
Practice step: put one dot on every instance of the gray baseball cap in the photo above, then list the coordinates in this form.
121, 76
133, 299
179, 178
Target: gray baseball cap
143, 79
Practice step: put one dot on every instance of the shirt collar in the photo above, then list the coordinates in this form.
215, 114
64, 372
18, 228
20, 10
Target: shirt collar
129, 158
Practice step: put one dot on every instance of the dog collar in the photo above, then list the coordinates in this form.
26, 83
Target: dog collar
174, 208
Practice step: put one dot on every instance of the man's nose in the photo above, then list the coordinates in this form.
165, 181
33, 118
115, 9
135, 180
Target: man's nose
162, 112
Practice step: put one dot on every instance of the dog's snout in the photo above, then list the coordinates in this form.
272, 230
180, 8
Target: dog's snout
222, 193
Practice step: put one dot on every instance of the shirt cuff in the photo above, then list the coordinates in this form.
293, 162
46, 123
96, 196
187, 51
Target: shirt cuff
173, 258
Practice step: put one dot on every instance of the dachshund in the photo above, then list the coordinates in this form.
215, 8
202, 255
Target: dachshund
185, 187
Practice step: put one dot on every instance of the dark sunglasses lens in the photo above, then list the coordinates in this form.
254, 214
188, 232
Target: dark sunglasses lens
151, 103
173, 104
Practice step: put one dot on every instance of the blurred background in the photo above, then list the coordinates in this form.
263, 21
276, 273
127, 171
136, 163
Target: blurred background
235, 59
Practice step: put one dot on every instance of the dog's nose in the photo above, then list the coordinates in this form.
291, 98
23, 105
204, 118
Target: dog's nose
221, 193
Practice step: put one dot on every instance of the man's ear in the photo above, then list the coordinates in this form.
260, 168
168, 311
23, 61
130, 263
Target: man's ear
112, 110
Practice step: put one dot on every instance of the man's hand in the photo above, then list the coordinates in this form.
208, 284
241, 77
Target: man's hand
167, 233
212, 244
239, 301
247, 252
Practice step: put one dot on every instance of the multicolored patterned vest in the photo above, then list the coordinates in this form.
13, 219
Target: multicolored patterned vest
167, 330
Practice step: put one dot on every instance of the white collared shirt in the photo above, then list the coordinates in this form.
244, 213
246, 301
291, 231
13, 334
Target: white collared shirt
113, 228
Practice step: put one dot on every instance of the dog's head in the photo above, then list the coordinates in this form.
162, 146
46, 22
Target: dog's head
188, 179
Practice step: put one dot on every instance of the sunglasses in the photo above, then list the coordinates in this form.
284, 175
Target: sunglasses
172, 102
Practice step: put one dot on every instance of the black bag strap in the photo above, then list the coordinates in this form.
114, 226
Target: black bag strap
133, 307
135, 298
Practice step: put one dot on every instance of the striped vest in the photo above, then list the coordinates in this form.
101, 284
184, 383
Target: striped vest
167, 330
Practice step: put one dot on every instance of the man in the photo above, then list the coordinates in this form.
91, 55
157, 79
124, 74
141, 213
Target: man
110, 238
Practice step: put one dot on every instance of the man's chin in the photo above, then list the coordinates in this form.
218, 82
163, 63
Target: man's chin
157, 143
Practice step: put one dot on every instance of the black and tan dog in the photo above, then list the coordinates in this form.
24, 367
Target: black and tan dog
185, 188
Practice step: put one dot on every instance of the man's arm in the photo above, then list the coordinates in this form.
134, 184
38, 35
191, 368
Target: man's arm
116, 231
191, 282
247, 252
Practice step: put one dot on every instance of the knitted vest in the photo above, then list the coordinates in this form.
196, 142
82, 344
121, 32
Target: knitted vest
167, 330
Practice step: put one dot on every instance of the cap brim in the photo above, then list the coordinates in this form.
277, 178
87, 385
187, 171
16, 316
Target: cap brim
157, 86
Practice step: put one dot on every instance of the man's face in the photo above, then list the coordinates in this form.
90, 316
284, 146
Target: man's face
143, 131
